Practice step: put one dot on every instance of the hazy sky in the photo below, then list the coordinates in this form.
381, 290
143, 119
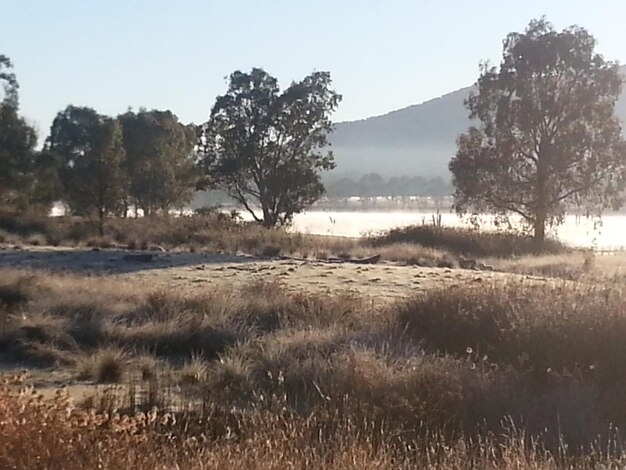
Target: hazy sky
175, 54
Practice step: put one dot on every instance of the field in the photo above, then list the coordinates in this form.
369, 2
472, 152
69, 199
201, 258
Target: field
199, 356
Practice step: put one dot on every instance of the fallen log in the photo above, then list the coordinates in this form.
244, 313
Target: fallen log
371, 260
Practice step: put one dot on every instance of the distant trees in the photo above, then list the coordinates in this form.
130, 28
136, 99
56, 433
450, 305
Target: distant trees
266, 147
108, 165
92, 159
262, 146
159, 159
548, 135
373, 185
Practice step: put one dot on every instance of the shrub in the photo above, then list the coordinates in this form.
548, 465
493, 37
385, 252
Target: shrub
104, 366
466, 241
564, 328
13, 294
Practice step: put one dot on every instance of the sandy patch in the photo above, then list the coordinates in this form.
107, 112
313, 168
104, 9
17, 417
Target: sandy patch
198, 271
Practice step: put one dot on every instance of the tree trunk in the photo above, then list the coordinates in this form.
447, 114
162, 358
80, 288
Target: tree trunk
539, 229
269, 217
101, 221
126, 208
541, 193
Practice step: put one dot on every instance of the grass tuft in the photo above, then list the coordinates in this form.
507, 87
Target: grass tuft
105, 366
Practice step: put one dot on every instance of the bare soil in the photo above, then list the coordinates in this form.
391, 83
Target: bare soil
381, 282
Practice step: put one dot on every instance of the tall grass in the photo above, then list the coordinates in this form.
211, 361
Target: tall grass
52, 434
211, 232
216, 232
274, 379
467, 241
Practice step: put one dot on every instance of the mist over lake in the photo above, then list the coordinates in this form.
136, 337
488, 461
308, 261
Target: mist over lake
607, 234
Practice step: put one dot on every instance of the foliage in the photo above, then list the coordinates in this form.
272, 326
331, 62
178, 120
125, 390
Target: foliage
263, 146
548, 134
26, 181
9, 82
159, 159
17, 142
91, 155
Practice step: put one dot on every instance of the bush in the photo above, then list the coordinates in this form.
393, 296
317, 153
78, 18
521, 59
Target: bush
564, 329
24, 224
466, 241
104, 366
13, 294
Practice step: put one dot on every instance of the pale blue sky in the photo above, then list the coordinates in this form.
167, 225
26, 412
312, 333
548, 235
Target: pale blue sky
382, 55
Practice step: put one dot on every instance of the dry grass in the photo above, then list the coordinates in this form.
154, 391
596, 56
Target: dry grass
466, 241
211, 232
576, 265
104, 366
516, 375
218, 233
72, 438
69, 315
8, 238
406, 253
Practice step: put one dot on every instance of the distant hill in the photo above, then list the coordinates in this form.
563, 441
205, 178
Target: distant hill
417, 140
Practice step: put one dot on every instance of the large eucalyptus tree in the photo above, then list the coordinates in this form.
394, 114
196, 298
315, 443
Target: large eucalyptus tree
267, 147
547, 136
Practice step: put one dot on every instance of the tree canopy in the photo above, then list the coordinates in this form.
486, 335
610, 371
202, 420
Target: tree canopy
25, 181
92, 156
547, 135
266, 148
159, 159
9, 82
17, 142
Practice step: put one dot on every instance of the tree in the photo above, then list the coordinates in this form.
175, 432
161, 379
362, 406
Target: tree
548, 135
265, 147
17, 142
159, 159
25, 181
9, 82
91, 155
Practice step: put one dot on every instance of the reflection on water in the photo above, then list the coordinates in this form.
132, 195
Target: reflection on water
610, 234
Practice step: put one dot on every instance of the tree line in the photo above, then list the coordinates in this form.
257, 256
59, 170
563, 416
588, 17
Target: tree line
264, 147
545, 137
96, 164
373, 184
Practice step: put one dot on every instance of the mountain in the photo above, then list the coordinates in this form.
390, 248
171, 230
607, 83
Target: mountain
417, 140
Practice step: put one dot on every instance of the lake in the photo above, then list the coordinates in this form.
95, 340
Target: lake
575, 231
583, 232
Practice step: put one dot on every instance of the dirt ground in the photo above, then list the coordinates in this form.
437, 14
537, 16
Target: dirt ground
382, 282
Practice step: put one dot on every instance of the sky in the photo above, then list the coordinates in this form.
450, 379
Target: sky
176, 54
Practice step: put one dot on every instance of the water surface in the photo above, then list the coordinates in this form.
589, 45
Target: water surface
607, 234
